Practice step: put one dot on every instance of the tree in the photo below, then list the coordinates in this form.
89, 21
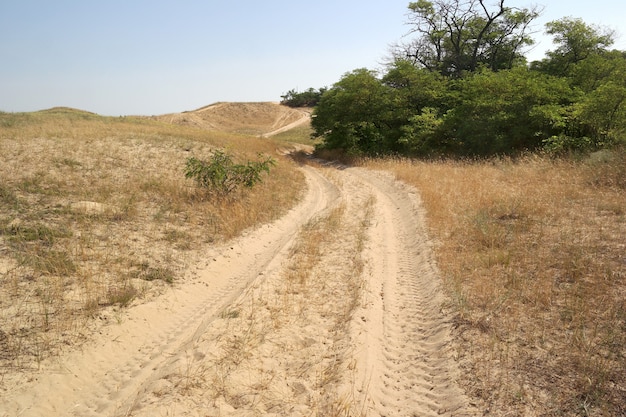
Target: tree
576, 41
601, 114
354, 115
308, 98
598, 69
421, 135
459, 89
507, 111
458, 36
582, 57
415, 87
419, 98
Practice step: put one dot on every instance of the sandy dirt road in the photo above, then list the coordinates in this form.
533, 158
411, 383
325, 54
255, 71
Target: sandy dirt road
280, 126
333, 310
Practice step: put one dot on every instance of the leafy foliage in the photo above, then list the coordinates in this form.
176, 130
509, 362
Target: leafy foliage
308, 98
576, 42
460, 89
507, 111
221, 176
455, 36
353, 115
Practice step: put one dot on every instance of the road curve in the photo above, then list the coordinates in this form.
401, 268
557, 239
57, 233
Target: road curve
362, 331
108, 373
405, 350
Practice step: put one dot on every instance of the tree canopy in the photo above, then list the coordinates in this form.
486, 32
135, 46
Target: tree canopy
462, 86
576, 42
457, 36
308, 98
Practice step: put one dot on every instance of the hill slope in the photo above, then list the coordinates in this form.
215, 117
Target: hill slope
259, 119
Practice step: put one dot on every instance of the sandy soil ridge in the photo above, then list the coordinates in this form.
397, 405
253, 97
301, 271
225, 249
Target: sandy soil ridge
259, 119
352, 325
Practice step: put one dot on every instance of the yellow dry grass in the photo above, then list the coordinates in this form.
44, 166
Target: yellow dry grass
244, 118
533, 254
95, 213
258, 341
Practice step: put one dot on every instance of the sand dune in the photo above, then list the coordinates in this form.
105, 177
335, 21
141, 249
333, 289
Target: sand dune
259, 119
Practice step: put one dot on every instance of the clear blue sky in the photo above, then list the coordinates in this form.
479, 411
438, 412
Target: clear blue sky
142, 57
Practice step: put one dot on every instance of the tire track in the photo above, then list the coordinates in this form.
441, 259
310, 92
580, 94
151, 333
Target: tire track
391, 355
281, 347
104, 378
405, 356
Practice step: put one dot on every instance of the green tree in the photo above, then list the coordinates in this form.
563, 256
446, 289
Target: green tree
457, 36
598, 69
415, 87
508, 111
581, 56
418, 98
575, 41
602, 114
421, 135
355, 114
308, 98
461, 91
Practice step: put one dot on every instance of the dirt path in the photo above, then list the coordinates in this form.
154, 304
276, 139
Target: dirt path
305, 118
406, 355
263, 119
333, 310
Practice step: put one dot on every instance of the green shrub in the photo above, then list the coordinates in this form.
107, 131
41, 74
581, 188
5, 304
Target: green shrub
221, 176
308, 98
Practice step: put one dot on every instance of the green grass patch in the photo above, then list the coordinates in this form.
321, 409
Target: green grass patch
300, 134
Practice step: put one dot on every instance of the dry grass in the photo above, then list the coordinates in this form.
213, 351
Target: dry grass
96, 212
533, 254
281, 349
243, 118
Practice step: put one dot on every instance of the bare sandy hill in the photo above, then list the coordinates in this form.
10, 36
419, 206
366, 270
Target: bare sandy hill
259, 119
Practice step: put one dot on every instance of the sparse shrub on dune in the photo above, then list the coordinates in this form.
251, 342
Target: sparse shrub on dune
221, 176
95, 214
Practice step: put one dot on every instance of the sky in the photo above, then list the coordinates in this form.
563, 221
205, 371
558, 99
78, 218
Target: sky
148, 57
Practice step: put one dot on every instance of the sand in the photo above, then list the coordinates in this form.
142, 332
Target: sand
263, 327
261, 119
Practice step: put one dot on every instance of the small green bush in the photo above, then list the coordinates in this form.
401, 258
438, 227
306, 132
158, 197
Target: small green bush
221, 176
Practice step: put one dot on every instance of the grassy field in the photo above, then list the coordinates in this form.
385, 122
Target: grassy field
533, 255
96, 214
